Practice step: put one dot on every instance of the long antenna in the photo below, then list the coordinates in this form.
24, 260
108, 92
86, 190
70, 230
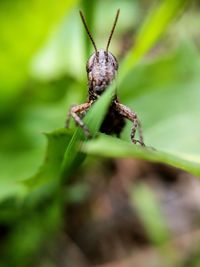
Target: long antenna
87, 30
113, 29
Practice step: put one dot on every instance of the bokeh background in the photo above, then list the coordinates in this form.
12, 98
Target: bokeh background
109, 212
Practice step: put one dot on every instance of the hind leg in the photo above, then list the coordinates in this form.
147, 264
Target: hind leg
132, 116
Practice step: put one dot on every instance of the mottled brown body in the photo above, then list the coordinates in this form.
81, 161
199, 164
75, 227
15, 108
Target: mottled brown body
102, 69
114, 122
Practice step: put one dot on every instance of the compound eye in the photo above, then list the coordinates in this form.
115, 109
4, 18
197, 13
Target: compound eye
90, 64
88, 67
113, 61
115, 65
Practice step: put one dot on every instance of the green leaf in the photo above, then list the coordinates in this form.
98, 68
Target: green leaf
51, 168
144, 200
167, 103
154, 26
108, 146
89, 13
93, 120
46, 180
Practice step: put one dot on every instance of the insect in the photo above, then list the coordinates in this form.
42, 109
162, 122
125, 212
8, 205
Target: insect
102, 69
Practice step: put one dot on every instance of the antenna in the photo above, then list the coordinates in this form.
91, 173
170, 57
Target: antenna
113, 29
87, 30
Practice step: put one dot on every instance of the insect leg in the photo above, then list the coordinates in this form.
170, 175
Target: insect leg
67, 122
132, 116
140, 133
74, 113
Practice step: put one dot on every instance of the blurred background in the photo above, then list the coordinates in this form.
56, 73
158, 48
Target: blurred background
111, 212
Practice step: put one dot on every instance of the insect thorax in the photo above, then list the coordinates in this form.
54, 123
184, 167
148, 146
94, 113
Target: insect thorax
101, 69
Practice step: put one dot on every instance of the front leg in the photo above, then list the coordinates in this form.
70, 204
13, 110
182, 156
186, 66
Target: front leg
74, 111
132, 116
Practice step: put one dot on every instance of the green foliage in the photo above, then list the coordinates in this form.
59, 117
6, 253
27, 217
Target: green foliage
164, 92
22, 33
153, 28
